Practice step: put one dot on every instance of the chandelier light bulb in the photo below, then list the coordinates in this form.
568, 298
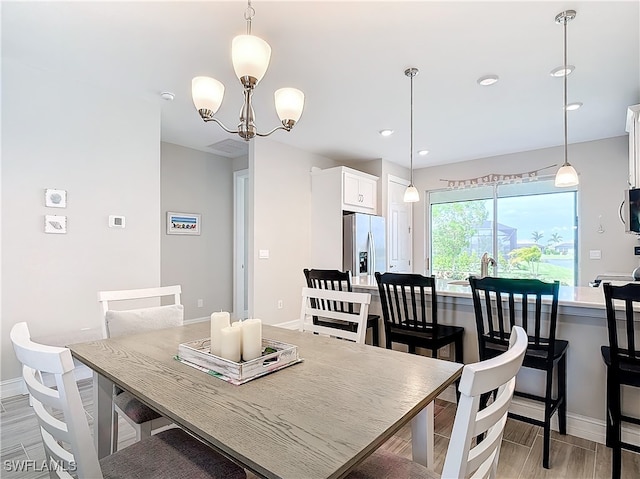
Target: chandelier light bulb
289, 104
207, 94
250, 55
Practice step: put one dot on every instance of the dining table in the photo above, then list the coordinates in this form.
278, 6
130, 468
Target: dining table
318, 418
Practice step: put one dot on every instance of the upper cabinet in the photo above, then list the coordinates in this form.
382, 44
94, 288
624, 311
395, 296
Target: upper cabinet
359, 191
351, 189
633, 127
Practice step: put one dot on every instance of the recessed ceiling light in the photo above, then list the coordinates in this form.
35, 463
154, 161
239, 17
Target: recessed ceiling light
167, 95
562, 71
574, 106
386, 132
423, 152
488, 80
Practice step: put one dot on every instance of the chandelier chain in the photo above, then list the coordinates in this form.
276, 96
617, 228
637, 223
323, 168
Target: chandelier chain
249, 13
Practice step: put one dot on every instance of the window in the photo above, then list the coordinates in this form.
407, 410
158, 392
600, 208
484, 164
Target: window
529, 228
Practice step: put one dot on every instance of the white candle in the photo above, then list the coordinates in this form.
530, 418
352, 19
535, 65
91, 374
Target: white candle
219, 320
238, 324
230, 344
251, 339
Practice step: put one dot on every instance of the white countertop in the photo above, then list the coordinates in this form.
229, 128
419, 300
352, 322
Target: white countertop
577, 296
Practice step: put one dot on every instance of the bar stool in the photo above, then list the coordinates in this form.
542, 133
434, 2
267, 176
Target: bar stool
497, 312
622, 358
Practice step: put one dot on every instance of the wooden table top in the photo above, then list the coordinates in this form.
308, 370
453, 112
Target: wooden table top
315, 419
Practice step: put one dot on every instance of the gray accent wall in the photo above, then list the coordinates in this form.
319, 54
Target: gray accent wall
197, 182
101, 147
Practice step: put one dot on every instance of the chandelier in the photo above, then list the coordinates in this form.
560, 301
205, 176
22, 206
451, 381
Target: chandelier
250, 56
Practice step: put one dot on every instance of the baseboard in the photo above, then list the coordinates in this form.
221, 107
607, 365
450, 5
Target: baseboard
16, 386
577, 425
289, 324
196, 320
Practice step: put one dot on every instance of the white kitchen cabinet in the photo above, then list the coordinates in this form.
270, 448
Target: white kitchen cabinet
633, 127
359, 191
334, 191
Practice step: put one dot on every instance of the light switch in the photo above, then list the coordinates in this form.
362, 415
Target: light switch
595, 254
263, 254
116, 221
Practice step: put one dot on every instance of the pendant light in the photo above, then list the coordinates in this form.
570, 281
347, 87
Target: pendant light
411, 194
566, 175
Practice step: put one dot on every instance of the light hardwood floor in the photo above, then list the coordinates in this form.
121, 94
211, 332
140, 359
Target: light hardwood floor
520, 455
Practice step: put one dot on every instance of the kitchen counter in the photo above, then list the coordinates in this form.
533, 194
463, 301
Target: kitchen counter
581, 321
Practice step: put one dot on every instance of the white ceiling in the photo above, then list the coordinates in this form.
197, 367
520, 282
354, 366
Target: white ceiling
349, 59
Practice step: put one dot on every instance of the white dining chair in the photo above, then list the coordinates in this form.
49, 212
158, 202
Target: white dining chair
139, 416
464, 457
314, 303
67, 439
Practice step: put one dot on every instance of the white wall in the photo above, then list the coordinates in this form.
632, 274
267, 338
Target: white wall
197, 182
602, 166
104, 149
280, 181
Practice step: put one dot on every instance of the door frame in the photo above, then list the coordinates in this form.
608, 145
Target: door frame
240, 185
403, 182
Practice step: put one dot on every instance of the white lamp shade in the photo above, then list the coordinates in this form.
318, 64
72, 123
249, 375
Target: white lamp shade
566, 176
289, 103
411, 194
207, 93
250, 56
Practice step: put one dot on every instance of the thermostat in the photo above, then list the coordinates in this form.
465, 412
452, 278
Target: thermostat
636, 250
116, 221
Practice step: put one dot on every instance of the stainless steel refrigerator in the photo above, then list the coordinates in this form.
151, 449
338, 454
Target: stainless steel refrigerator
364, 244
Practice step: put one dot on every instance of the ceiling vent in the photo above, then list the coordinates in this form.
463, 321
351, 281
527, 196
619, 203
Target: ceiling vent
230, 148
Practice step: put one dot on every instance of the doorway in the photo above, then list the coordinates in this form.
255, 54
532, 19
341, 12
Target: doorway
240, 244
400, 226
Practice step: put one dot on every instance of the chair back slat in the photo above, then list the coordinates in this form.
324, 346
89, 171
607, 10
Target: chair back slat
359, 304
623, 338
527, 298
464, 459
72, 429
331, 279
404, 300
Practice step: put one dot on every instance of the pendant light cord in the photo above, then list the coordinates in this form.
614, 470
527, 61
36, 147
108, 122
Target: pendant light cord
566, 74
411, 142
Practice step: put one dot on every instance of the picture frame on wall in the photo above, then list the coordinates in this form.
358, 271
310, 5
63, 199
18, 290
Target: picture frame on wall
183, 223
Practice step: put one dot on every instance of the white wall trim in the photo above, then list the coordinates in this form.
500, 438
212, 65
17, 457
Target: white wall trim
12, 387
289, 324
578, 426
196, 320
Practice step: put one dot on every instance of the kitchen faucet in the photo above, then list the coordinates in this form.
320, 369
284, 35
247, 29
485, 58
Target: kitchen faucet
485, 262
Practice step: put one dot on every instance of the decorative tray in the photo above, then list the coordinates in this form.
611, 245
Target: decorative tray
276, 355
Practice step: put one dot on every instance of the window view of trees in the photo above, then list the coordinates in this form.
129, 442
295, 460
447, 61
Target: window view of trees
532, 236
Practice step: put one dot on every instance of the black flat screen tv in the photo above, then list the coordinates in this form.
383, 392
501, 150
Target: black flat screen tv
631, 210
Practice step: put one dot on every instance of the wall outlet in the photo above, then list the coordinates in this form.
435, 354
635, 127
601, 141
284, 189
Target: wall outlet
280, 304
200, 303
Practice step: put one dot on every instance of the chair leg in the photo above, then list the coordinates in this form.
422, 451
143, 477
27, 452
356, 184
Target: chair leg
608, 412
562, 395
547, 418
459, 350
613, 406
375, 331
114, 430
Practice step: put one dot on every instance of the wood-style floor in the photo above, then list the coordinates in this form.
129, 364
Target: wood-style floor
520, 455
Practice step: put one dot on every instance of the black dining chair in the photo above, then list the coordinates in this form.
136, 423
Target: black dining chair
338, 281
410, 312
622, 358
502, 303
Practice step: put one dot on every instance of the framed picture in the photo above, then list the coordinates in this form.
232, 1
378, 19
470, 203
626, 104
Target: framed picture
183, 223
55, 198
